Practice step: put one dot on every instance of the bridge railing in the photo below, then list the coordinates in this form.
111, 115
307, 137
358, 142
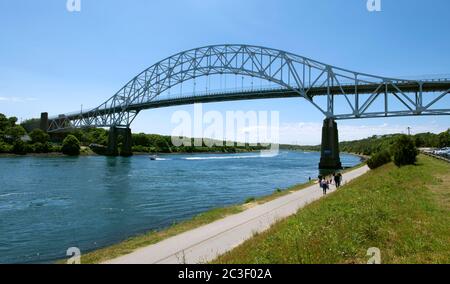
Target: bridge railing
252, 89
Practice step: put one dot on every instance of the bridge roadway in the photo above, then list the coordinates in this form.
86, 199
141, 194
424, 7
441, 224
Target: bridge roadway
270, 93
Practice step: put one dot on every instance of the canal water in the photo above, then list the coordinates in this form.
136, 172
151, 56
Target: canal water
48, 204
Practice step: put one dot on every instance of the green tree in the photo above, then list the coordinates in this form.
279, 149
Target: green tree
419, 141
79, 134
96, 136
141, 139
31, 124
379, 159
405, 151
15, 132
19, 147
159, 143
39, 136
4, 122
12, 121
444, 139
71, 146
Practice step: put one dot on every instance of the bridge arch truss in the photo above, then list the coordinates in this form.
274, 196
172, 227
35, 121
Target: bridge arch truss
295, 76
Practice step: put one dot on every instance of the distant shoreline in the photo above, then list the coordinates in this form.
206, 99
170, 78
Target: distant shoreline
90, 153
58, 154
363, 157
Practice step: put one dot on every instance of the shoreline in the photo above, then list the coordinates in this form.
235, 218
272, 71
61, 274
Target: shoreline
363, 158
150, 237
90, 153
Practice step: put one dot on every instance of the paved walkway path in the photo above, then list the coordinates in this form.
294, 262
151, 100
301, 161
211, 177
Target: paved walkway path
205, 243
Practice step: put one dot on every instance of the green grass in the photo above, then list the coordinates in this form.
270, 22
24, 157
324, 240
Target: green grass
250, 200
153, 237
405, 212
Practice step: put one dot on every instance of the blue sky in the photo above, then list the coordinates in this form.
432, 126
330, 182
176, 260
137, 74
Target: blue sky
53, 60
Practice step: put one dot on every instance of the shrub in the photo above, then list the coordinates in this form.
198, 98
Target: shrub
39, 136
19, 147
41, 147
28, 148
71, 146
379, 159
405, 151
5, 148
55, 148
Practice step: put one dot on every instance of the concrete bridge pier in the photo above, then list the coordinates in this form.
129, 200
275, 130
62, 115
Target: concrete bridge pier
122, 135
43, 125
329, 158
126, 149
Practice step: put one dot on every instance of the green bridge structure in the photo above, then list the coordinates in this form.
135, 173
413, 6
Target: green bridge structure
292, 76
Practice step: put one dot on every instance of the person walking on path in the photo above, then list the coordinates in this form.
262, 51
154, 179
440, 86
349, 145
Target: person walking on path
337, 180
324, 186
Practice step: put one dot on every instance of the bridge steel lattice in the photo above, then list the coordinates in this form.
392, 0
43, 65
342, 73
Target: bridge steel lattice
296, 76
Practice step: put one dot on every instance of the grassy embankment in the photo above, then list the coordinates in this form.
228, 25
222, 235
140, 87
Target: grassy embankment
153, 237
405, 212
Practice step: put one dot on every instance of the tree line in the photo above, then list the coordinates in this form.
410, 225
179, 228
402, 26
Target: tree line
28, 138
376, 143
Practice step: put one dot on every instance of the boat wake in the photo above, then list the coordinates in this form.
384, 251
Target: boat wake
223, 157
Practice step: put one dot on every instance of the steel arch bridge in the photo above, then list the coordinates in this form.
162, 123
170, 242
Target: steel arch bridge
295, 76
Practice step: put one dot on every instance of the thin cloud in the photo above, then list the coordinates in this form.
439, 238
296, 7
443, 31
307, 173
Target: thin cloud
17, 99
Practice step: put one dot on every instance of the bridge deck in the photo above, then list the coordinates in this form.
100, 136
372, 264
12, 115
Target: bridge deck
404, 86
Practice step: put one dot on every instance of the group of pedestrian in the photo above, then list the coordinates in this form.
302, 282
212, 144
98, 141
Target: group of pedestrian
325, 182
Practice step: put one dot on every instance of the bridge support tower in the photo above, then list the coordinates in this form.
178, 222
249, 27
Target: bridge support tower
329, 158
120, 136
44, 121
